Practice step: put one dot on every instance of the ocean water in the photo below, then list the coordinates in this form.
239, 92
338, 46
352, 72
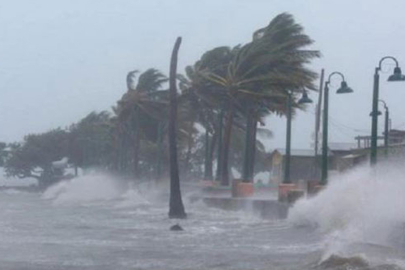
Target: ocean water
97, 222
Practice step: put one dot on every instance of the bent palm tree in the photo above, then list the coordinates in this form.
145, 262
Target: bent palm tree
140, 106
201, 99
266, 67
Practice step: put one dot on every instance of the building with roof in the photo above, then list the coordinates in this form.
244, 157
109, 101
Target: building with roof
303, 165
342, 156
396, 136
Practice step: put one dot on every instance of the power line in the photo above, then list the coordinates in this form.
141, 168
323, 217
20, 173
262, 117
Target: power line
337, 128
336, 122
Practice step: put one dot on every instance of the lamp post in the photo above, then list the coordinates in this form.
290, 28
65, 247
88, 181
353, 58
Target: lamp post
303, 100
386, 121
396, 76
342, 90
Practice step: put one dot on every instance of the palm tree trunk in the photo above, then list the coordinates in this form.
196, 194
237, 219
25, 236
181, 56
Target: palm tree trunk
226, 145
253, 149
248, 150
159, 150
176, 208
114, 161
119, 153
207, 155
123, 148
137, 139
209, 173
187, 165
220, 144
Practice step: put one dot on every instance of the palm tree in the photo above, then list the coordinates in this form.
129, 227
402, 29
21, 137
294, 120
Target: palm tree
256, 109
193, 109
141, 106
200, 100
176, 208
266, 67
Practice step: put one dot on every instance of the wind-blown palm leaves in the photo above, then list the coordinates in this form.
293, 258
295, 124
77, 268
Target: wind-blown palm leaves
227, 91
201, 100
140, 111
194, 108
151, 81
144, 95
274, 62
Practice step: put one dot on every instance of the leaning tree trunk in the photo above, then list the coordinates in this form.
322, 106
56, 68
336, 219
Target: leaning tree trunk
248, 149
226, 145
114, 161
210, 155
137, 141
176, 208
125, 147
207, 155
220, 143
253, 147
159, 153
120, 151
123, 153
187, 163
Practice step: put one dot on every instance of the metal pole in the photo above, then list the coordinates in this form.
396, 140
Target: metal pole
317, 125
386, 127
324, 171
387, 117
374, 121
287, 179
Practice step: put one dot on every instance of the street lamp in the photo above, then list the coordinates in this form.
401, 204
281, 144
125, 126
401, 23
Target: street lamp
303, 100
386, 121
344, 89
395, 77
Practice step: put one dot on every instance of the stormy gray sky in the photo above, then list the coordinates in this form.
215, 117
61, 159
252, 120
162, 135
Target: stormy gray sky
60, 60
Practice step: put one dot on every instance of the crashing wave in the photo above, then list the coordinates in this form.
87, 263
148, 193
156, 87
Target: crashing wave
87, 188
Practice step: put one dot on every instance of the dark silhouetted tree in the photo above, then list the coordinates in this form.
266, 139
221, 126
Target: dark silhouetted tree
176, 207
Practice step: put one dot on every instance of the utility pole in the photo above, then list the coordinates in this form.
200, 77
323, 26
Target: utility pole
317, 123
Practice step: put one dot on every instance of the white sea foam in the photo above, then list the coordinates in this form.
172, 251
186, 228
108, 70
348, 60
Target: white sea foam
86, 188
13, 191
362, 206
132, 198
14, 181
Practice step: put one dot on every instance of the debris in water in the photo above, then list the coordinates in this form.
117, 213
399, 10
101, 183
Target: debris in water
338, 262
176, 227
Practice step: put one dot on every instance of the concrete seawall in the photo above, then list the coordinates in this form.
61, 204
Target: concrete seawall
267, 209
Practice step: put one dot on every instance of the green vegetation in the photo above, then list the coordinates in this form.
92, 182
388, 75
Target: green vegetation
221, 99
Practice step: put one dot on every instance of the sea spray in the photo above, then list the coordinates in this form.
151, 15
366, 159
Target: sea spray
333, 207
13, 181
132, 198
86, 188
359, 211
